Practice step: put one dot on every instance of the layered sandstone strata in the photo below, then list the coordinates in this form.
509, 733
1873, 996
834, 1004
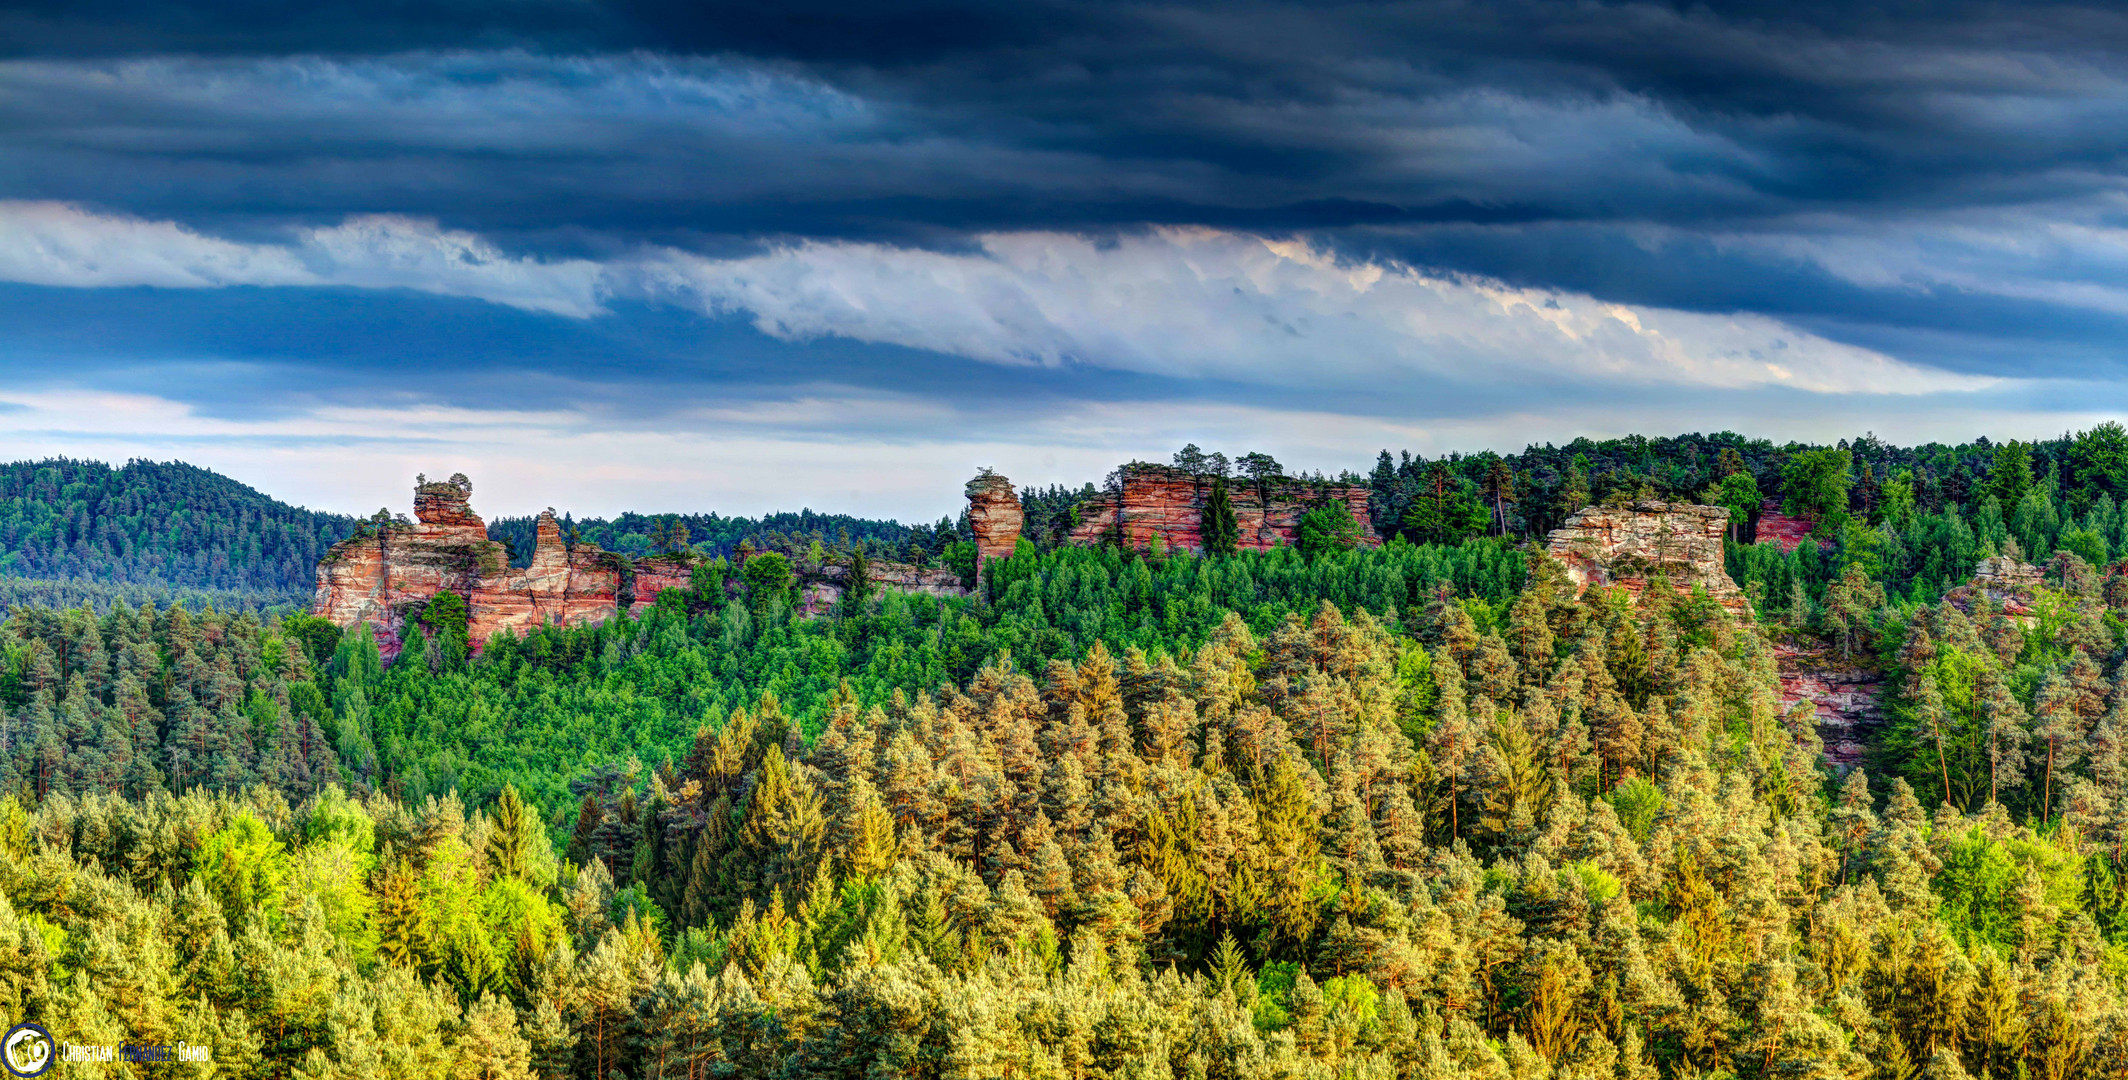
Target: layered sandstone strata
388, 573
655, 575
823, 590
2001, 580
442, 507
1632, 545
1159, 502
393, 569
994, 515
1845, 700
563, 585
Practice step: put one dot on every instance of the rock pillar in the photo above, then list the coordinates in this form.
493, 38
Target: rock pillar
549, 552
443, 508
994, 514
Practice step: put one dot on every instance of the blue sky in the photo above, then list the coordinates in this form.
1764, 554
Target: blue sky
651, 256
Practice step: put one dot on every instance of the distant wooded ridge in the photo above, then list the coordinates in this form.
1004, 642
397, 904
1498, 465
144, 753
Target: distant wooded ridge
84, 532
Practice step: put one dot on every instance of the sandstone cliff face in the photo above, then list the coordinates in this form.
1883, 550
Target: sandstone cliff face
1845, 699
994, 514
382, 577
1789, 532
2002, 580
561, 587
821, 593
1628, 546
657, 574
1158, 501
379, 578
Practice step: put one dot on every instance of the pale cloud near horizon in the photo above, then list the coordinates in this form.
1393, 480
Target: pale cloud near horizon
1189, 303
354, 460
1307, 332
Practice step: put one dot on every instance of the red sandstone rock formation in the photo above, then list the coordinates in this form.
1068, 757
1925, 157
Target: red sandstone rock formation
390, 572
994, 513
2001, 580
563, 586
821, 593
1845, 700
657, 574
1789, 532
443, 505
1627, 546
1165, 503
381, 577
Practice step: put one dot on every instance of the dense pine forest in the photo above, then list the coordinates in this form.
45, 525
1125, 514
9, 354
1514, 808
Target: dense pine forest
714, 534
82, 532
1416, 810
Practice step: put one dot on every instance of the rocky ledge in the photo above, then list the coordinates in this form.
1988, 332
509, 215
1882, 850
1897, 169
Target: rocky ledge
393, 568
390, 571
1159, 502
1630, 546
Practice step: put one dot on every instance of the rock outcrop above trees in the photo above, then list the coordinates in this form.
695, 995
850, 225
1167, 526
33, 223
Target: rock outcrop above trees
1629, 546
822, 591
1149, 502
994, 515
390, 571
2001, 580
1777, 527
387, 574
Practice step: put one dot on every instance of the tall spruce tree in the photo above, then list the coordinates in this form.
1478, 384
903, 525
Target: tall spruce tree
1218, 529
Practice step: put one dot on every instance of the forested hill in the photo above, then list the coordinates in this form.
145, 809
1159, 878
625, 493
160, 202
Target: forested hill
1348, 814
714, 534
1321, 812
84, 532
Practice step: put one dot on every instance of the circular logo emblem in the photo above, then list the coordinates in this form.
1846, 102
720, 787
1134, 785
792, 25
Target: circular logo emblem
27, 1050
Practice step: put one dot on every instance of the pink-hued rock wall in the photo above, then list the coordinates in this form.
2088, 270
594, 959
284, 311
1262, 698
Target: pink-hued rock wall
1627, 546
1846, 700
1165, 503
994, 515
392, 571
1775, 526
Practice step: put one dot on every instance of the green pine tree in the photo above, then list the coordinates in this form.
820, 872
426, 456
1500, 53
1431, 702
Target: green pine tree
1218, 530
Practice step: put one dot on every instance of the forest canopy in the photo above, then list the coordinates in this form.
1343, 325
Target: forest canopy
1328, 810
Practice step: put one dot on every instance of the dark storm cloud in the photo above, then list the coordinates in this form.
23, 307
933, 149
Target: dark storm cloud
1866, 171
251, 353
1955, 327
1072, 115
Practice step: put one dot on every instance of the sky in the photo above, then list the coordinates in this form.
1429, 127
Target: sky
614, 255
